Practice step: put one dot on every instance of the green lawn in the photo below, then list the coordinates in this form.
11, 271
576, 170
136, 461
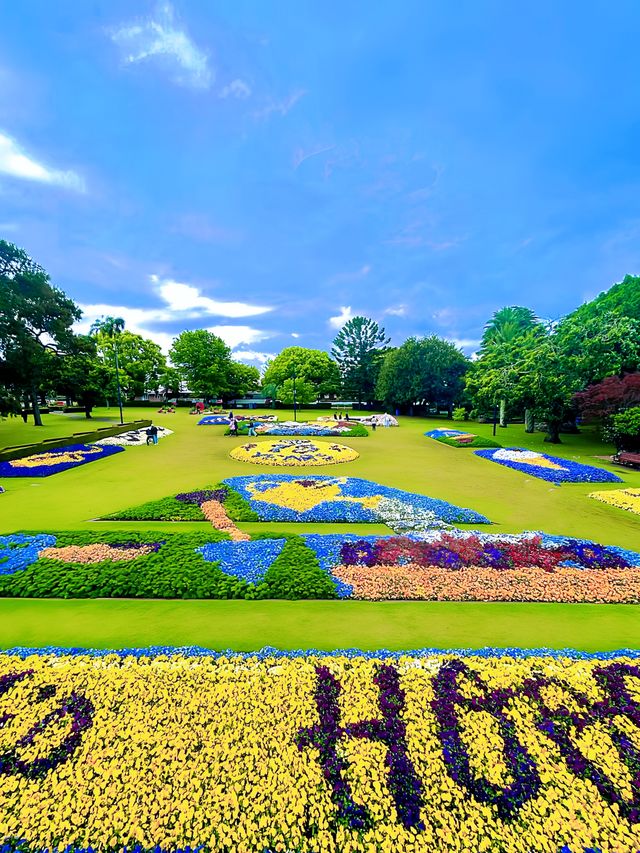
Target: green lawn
325, 625
195, 456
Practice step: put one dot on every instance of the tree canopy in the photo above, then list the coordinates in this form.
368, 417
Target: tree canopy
313, 366
423, 371
359, 348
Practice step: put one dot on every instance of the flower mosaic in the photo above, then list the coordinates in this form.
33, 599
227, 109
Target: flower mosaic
471, 566
554, 469
133, 438
287, 497
628, 499
19, 551
99, 552
248, 561
352, 751
300, 452
54, 461
310, 428
459, 438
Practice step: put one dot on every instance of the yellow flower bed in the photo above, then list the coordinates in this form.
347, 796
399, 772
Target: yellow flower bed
335, 754
301, 452
628, 499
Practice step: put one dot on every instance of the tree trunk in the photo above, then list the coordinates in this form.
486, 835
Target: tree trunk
529, 421
37, 417
553, 432
503, 413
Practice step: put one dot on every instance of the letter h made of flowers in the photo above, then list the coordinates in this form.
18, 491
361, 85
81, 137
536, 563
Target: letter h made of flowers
389, 729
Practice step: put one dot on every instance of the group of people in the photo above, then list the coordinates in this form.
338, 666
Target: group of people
233, 426
338, 416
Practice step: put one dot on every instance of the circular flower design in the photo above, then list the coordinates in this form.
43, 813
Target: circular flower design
293, 452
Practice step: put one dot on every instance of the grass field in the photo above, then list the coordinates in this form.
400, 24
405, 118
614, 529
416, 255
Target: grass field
195, 456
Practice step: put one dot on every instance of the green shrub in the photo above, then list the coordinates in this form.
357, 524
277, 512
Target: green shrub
459, 414
626, 425
170, 509
478, 441
296, 574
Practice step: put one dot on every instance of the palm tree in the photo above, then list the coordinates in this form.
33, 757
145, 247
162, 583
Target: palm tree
111, 327
508, 326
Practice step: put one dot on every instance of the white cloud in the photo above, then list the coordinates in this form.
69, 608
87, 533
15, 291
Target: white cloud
184, 297
252, 355
236, 89
282, 106
234, 336
135, 319
465, 344
344, 315
396, 310
295, 334
161, 36
15, 162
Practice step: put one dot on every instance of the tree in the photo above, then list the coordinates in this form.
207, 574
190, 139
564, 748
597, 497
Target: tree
613, 394
423, 371
141, 362
311, 365
305, 392
35, 322
81, 374
509, 331
170, 382
243, 378
622, 299
203, 361
359, 348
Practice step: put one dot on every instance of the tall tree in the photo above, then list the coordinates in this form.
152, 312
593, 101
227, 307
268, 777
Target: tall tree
310, 365
204, 363
35, 322
511, 329
423, 371
243, 378
141, 362
81, 374
359, 349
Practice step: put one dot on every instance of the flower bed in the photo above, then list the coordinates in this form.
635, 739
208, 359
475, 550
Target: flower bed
554, 469
223, 420
628, 499
287, 497
337, 429
457, 438
299, 452
134, 438
478, 567
19, 551
349, 752
188, 507
54, 461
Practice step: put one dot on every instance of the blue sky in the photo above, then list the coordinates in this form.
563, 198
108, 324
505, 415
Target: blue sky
267, 170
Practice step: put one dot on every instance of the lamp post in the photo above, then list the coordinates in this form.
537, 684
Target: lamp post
295, 408
115, 348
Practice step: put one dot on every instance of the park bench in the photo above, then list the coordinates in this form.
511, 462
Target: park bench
628, 458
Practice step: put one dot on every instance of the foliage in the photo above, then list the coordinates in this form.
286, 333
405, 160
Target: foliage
36, 321
296, 574
311, 366
626, 425
611, 395
459, 414
141, 361
478, 441
305, 392
424, 371
174, 509
204, 363
358, 349
623, 299
82, 374
241, 379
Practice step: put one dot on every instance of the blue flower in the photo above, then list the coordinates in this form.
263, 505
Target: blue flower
19, 551
571, 472
83, 454
248, 561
